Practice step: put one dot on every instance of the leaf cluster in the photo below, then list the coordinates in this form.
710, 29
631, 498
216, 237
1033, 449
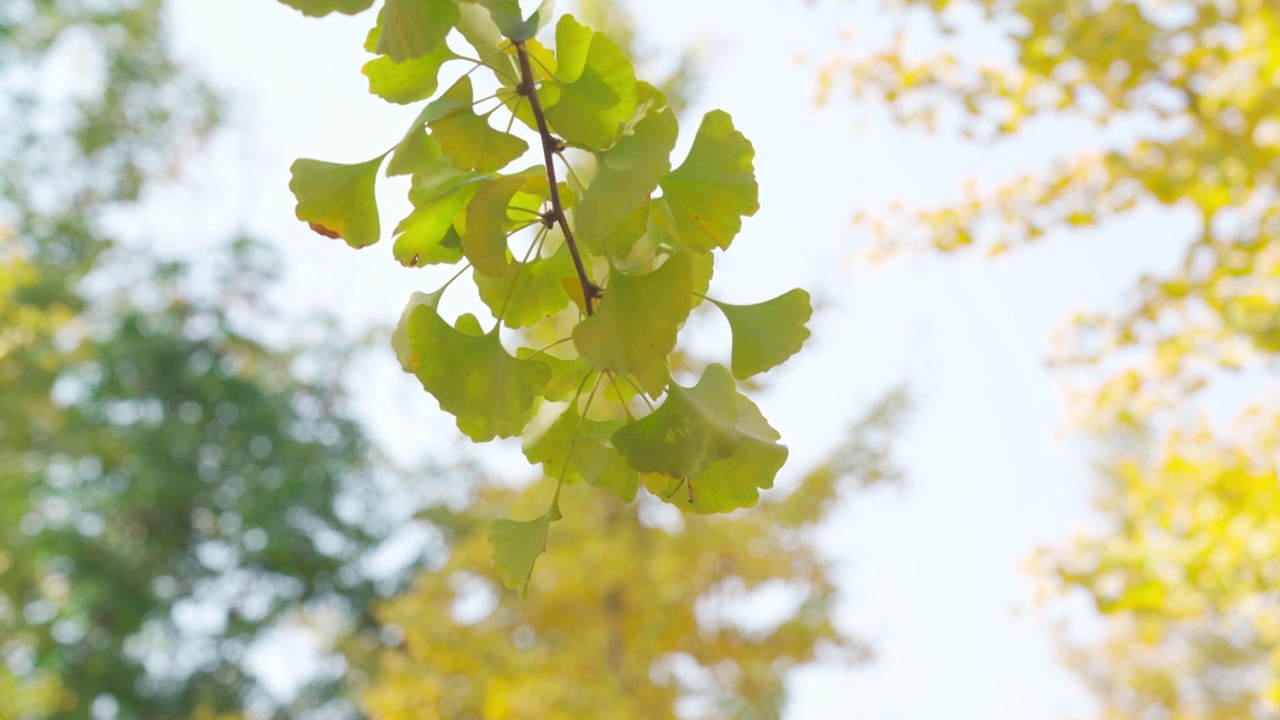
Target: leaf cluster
603, 250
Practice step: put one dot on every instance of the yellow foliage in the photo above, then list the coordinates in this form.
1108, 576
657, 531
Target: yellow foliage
1188, 578
630, 612
1196, 84
27, 697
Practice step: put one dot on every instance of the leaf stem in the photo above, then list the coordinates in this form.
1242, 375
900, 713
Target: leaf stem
577, 431
640, 392
590, 291
514, 111
537, 243
545, 348
613, 380
569, 167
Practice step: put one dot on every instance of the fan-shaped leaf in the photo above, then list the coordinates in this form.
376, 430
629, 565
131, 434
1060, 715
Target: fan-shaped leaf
595, 90
467, 138
414, 28
427, 236
705, 198
489, 392
581, 449
338, 200
767, 333
511, 21
516, 547
734, 482
539, 289
626, 175
409, 81
634, 329
693, 428
488, 221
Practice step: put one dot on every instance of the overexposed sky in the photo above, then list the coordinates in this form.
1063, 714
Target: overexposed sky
933, 576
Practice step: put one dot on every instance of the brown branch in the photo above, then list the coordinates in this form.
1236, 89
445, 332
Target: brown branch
550, 145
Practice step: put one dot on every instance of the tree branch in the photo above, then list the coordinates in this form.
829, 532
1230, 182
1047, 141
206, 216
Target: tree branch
550, 145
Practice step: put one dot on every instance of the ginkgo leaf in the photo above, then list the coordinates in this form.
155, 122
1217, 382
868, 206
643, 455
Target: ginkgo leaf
511, 21
338, 200
477, 27
566, 375
427, 235
767, 333
320, 8
581, 449
693, 428
538, 291
409, 81
490, 393
416, 153
400, 337
516, 547
553, 447
618, 242
414, 28
704, 199
601, 465
627, 174
488, 221
634, 329
735, 481
595, 89
468, 139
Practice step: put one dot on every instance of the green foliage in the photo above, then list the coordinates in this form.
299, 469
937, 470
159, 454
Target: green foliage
153, 458
613, 260
319, 8
767, 333
337, 200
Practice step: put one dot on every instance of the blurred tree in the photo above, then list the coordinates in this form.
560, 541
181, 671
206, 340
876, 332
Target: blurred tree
1187, 579
638, 613
170, 489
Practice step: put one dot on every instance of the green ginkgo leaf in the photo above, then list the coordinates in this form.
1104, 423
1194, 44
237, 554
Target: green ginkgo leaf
408, 81
338, 200
516, 547
581, 449
735, 481
693, 428
400, 337
413, 28
510, 19
705, 198
600, 464
477, 27
528, 293
566, 375
427, 236
488, 222
626, 175
767, 333
468, 139
595, 93
634, 329
490, 393
416, 153
320, 8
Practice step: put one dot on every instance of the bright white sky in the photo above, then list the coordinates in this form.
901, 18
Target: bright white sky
934, 576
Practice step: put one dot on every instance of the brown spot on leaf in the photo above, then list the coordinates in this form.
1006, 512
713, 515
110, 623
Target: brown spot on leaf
414, 261
322, 230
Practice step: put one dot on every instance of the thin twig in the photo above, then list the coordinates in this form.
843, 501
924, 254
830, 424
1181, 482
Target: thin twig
550, 145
